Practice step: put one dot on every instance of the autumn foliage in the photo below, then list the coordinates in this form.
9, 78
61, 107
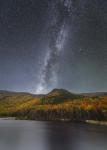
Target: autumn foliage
54, 107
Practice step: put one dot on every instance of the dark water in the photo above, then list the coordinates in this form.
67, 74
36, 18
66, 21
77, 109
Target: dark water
36, 135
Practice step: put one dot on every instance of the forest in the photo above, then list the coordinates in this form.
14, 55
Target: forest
57, 105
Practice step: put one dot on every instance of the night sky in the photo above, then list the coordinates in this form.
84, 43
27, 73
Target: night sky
46, 44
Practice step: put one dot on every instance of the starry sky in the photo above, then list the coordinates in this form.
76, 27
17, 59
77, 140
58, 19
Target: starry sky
46, 44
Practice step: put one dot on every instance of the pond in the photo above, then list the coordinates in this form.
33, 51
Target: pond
39, 135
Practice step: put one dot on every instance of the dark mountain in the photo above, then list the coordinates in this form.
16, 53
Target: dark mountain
60, 92
59, 95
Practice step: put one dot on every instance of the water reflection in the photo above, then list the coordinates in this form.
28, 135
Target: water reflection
32, 135
59, 137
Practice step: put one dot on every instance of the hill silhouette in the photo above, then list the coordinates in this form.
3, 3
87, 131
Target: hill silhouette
58, 96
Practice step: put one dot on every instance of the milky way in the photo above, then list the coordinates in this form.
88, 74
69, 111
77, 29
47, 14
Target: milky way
58, 34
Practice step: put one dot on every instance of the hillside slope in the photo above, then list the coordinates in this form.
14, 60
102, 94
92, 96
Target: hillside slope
12, 101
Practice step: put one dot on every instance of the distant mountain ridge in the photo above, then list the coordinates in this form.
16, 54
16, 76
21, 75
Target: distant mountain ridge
95, 94
56, 92
19, 93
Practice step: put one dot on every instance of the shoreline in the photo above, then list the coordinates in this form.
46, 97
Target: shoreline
7, 118
94, 122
